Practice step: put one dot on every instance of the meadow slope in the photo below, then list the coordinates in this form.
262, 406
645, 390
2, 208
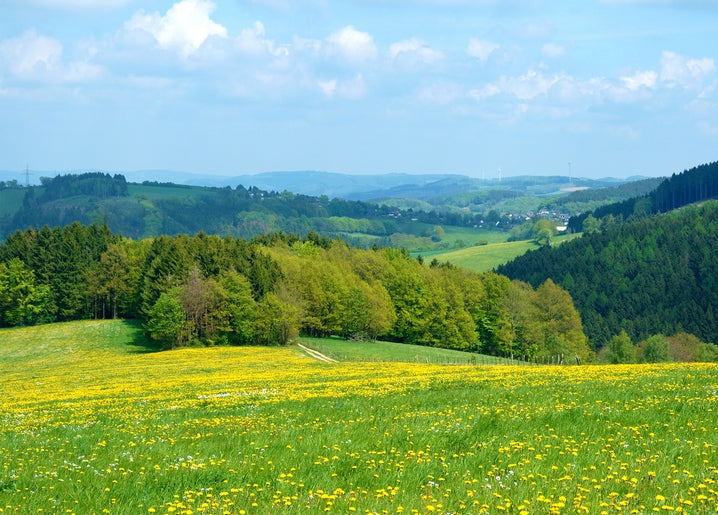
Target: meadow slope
92, 420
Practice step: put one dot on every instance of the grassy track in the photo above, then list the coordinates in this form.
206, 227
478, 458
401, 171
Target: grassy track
91, 421
343, 350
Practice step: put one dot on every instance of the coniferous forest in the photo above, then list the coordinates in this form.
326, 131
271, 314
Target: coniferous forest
695, 185
645, 276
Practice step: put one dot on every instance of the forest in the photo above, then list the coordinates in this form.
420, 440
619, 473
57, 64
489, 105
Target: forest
645, 265
586, 200
152, 209
643, 276
209, 290
695, 185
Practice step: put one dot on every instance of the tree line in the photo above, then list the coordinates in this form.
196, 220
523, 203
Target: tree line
210, 290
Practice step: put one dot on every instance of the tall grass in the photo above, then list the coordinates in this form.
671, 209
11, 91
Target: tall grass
92, 421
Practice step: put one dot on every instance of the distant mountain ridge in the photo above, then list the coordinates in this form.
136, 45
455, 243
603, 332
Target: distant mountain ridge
346, 186
390, 185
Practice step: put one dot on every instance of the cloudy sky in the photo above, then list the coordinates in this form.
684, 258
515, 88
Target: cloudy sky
614, 87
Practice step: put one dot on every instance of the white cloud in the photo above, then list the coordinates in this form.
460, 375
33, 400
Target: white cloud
328, 87
481, 48
552, 50
311, 46
528, 86
413, 52
33, 56
641, 79
680, 70
253, 41
353, 45
487, 91
185, 26
351, 89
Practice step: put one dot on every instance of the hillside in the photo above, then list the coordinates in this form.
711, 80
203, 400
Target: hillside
152, 209
482, 258
95, 421
645, 276
515, 196
333, 205
341, 349
636, 270
694, 185
586, 200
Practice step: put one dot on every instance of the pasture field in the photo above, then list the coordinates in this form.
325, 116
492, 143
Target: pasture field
92, 420
483, 258
163, 192
343, 350
472, 235
10, 201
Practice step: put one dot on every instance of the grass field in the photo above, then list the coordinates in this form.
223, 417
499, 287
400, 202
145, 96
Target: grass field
487, 257
11, 201
163, 192
472, 235
94, 421
343, 350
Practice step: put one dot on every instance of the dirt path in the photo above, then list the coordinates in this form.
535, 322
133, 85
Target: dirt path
316, 354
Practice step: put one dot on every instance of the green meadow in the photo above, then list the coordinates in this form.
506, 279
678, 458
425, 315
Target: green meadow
344, 350
483, 258
95, 420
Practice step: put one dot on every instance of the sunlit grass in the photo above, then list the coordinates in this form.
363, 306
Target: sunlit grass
91, 422
483, 258
343, 350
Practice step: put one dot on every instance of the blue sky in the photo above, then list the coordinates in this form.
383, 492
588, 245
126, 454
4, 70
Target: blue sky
614, 87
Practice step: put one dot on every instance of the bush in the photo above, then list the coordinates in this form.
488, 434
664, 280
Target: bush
620, 349
656, 350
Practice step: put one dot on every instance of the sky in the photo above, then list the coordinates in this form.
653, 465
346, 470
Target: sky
595, 88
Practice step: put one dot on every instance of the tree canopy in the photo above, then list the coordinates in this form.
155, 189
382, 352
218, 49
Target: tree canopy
211, 290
